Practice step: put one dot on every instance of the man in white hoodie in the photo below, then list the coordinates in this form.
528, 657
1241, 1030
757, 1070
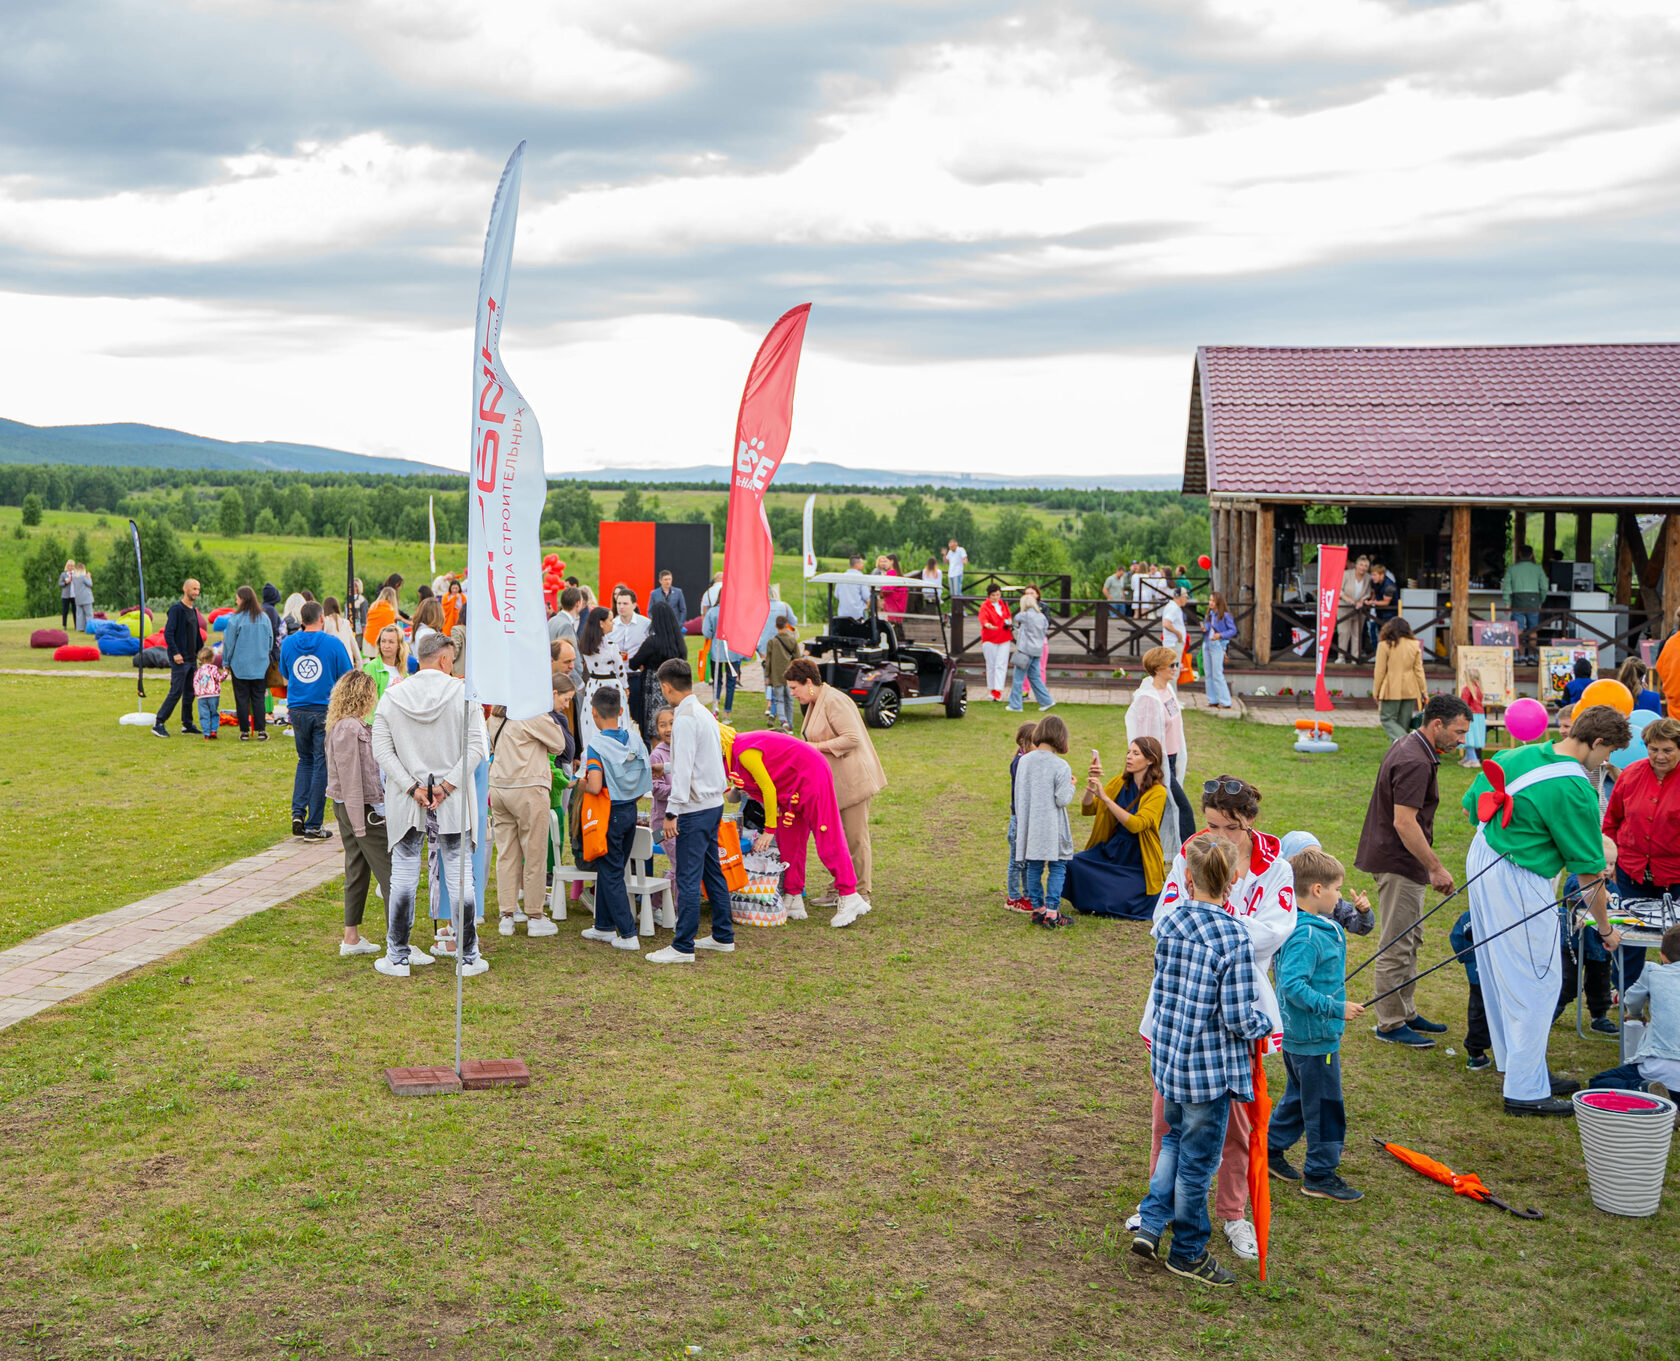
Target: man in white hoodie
417, 731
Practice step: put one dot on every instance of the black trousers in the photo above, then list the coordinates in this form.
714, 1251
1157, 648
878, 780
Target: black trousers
1476, 1037
180, 692
248, 704
66, 607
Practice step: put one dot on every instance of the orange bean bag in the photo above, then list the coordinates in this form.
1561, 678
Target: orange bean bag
75, 652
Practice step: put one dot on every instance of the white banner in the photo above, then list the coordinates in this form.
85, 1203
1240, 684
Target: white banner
810, 552
431, 534
507, 628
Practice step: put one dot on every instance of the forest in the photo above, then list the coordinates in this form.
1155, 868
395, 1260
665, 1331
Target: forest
1083, 533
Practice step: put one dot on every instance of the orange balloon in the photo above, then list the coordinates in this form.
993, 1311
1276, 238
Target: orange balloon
1611, 693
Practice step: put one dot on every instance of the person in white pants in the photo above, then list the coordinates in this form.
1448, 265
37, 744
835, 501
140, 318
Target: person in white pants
1537, 817
996, 640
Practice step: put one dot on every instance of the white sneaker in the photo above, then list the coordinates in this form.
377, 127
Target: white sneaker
852, 906
627, 943
519, 912
669, 955
383, 965
795, 905
361, 947
418, 956
478, 966
708, 943
1240, 1234
664, 918
1135, 1222
505, 926
605, 937
540, 926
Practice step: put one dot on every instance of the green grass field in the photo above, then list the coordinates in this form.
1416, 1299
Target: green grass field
918, 1137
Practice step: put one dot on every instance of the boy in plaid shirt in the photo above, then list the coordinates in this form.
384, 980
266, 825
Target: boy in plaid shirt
1207, 1011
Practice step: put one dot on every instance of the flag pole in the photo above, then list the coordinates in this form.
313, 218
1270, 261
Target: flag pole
139, 717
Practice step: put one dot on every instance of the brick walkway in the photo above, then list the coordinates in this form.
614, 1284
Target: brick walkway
70, 959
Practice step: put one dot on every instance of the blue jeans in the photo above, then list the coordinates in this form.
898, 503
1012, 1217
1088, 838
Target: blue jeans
612, 900
309, 785
1623, 1079
1311, 1105
1213, 658
723, 686
1028, 671
780, 703
1526, 621
441, 882
1016, 885
1178, 1192
956, 584
1043, 880
209, 713
697, 865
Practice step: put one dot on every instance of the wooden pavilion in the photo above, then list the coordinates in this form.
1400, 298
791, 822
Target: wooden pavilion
1438, 461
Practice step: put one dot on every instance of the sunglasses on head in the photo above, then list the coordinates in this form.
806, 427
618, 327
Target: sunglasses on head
1229, 786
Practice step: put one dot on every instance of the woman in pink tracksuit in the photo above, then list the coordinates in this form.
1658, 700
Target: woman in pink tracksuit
793, 781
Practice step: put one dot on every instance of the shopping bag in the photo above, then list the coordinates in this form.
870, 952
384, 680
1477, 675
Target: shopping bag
729, 856
597, 809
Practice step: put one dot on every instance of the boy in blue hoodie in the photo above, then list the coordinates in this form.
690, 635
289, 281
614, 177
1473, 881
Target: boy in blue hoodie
1312, 995
617, 761
311, 662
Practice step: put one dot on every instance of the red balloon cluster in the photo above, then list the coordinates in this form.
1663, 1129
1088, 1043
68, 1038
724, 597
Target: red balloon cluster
1204, 562
554, 577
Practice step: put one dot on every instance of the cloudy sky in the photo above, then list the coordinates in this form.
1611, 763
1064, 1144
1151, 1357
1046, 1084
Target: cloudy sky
262, 219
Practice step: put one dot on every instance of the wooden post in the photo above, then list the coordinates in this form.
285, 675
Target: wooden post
1519, 532
1263, 584
1244, 583
1583, 537
1221, 551
1670, 573
1460, 579
1548, 539
1624, 559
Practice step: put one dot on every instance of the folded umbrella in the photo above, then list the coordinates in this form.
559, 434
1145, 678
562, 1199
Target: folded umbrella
1466, 1184
1259, 1175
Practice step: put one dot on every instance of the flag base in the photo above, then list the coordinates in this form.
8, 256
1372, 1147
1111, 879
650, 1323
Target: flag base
437, 1080
481, 1074
138, 720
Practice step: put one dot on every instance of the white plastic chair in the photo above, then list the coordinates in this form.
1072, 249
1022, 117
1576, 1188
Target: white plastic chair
643, 889
565, 874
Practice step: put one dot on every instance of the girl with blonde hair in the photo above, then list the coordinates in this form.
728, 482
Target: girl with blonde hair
357, 791
389, 662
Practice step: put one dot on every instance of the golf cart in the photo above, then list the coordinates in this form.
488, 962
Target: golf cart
866, 658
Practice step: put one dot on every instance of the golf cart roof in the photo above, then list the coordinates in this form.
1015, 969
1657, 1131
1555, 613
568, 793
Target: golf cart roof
884, 583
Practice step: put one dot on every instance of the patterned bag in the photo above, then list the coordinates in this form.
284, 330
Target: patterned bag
760, 902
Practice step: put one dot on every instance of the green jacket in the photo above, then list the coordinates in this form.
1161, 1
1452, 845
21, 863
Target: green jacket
1311, 966
1526, 579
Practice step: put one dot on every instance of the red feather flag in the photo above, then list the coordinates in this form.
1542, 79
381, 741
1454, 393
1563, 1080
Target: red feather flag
761, 439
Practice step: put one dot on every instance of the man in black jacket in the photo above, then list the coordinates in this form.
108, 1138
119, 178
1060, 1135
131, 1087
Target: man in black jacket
180, 640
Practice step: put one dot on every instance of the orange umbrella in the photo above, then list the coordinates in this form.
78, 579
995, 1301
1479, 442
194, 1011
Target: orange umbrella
1466, 1184
1259, 1177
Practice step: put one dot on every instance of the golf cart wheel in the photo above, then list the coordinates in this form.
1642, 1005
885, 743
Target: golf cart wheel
882, 709
956, 701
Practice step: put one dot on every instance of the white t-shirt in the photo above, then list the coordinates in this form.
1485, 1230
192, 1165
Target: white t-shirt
1172, 626
954, 560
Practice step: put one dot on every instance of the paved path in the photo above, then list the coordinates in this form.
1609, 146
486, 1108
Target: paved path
29, 671
70, 959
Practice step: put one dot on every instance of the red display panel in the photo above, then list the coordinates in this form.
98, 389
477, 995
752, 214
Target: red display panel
626, 556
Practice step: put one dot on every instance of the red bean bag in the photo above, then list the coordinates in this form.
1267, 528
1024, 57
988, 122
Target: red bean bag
48, 638
75, 652
156, 640
218, 613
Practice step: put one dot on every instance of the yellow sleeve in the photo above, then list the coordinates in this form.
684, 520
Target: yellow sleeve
752, 761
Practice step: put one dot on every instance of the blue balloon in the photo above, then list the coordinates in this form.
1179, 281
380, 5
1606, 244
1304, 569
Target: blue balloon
1635, 750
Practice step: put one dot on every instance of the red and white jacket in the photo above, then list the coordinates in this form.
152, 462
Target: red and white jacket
994, 623
1262, 898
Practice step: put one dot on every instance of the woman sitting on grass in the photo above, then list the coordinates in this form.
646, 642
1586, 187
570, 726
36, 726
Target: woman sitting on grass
357, 791
1120, 871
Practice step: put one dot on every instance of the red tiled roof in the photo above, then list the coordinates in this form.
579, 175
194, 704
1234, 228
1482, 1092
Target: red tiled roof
1507, 422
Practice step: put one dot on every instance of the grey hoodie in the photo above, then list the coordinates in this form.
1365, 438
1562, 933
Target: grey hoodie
416, 733
1031, 630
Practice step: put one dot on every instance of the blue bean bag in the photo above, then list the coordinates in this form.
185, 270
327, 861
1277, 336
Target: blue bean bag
219, 623
112, 628
119, 644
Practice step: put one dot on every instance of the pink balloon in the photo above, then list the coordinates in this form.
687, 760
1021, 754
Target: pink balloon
1526, 719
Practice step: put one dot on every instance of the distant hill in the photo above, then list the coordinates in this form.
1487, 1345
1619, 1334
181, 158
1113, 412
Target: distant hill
129, 446
149, 446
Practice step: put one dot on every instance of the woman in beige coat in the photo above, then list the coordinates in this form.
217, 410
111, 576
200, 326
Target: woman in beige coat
1398, 683
834, 727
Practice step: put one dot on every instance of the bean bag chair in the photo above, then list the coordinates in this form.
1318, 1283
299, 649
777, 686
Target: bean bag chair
116, 645
220, 612
155, 640
154, 656
48, 638
219, 622
76, 652
112, 627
